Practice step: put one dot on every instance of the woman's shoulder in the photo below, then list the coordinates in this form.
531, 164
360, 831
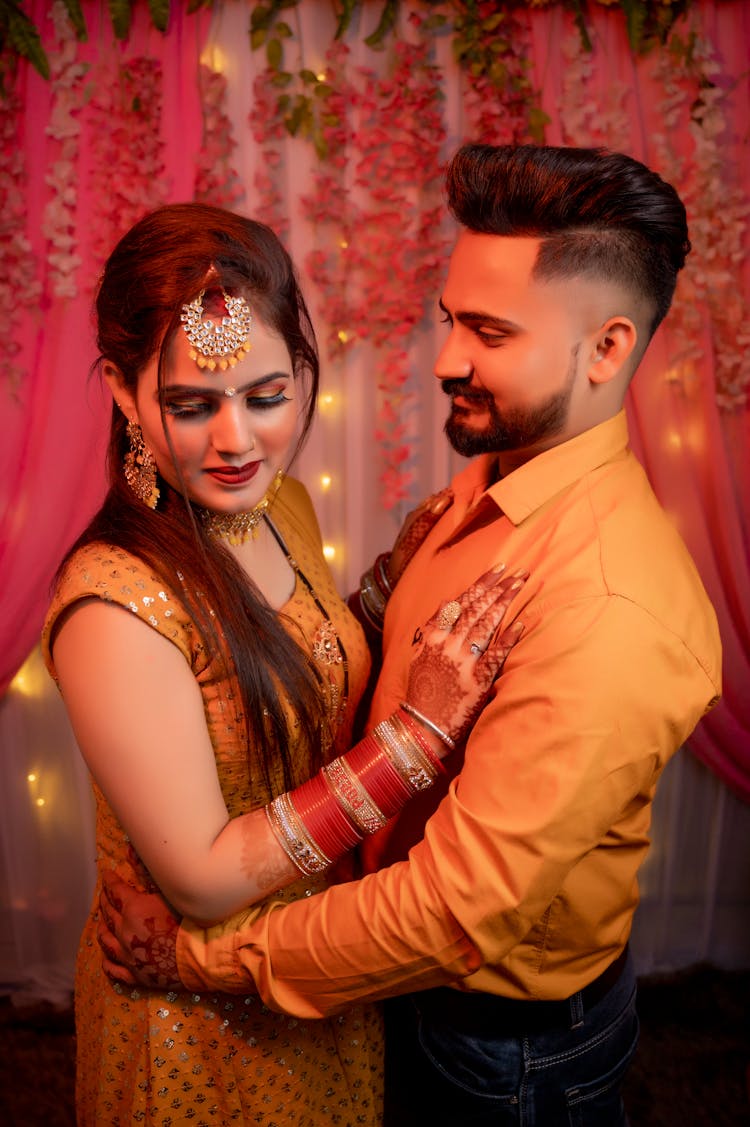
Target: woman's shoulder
114, 575
293, 505
294, 494
108, 572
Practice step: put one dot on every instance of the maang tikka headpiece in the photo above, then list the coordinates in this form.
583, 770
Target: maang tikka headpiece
217, 344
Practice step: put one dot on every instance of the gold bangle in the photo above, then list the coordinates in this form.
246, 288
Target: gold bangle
412, 768
429, 762
352, 796
289, 830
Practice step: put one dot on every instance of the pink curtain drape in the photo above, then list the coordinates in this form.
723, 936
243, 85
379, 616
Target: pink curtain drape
120, 127
53, 420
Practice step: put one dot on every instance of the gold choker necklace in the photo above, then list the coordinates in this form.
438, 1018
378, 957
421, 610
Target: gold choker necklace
237, 528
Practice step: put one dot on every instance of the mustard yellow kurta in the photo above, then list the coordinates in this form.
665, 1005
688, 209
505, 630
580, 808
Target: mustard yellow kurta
171, 1058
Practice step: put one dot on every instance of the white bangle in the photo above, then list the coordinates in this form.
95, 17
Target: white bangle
449, 743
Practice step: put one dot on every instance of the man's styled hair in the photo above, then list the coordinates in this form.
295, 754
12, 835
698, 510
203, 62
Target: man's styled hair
597, 213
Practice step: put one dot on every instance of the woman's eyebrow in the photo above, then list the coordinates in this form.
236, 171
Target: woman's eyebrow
218, 392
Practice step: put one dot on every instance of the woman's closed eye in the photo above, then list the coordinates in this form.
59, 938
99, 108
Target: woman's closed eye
262, 399
188, 408
203, 408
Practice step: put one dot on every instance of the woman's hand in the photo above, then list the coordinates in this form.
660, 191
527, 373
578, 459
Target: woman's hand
461, 650
137, 932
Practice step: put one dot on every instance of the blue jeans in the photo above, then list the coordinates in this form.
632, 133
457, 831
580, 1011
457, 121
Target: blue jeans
439, 1076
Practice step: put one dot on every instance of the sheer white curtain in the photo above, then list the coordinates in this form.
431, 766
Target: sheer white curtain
696, 883
47, 848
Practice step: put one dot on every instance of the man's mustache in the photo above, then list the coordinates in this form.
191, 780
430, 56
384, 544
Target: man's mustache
463, 387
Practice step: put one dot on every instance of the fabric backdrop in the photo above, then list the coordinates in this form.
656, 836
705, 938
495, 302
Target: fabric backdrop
120, 126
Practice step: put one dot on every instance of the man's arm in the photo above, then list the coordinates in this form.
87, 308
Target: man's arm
578, 729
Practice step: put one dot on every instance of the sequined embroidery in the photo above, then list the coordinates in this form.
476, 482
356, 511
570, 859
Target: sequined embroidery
169, 1059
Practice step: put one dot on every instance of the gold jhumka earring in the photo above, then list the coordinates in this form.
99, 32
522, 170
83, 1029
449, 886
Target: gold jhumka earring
140, 468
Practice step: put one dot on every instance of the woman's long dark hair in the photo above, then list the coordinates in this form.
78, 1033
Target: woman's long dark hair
157, 267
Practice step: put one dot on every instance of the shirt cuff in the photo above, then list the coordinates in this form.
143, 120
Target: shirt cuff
207, 957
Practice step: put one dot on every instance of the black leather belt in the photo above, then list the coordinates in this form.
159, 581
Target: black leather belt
492, 1015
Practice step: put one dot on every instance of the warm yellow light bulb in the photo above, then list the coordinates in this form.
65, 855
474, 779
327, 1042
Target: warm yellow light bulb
344, 244
325, 481
326, 400
214, 58
343, 336
40, 802
31, 680
329, 551
321, 76
32, 776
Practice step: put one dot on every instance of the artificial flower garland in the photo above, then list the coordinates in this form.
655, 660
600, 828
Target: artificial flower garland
216, 180
126, 109
694, 98
400, 246
59, 217
373, 201
18, 273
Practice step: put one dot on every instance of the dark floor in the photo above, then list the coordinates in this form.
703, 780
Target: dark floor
692, 1068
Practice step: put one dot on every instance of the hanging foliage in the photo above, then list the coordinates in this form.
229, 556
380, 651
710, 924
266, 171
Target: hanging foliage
376, 135
472, 23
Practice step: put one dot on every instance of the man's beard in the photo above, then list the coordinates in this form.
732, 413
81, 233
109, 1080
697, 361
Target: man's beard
515, 429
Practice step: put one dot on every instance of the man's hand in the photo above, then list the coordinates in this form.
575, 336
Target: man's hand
137, 932
414, 530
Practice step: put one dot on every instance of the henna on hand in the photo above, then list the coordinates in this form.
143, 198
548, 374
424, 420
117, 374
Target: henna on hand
413, 531
455, 665
137, 933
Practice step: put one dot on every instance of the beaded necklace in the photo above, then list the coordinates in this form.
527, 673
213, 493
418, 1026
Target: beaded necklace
237, 528
327, 648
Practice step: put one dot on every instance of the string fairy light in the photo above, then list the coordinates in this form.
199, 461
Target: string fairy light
30, 685
214, 58
21, 684
36, 798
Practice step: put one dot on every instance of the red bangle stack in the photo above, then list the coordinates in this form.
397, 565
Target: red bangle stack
413, 727
357, 793
324, 820
373, 768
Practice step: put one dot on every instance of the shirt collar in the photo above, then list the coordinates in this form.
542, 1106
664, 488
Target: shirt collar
529, 487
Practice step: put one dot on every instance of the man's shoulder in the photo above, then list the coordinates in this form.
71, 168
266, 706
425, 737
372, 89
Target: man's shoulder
638, 555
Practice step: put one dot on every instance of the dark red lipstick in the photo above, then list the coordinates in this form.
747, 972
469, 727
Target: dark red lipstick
234, 475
